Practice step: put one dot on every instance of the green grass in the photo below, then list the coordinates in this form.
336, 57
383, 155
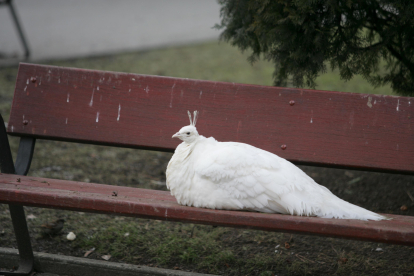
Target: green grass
168, 244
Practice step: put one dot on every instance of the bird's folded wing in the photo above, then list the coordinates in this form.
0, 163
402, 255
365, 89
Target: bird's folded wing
252, 176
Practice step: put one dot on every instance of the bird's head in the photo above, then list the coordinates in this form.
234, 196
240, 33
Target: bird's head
188, 133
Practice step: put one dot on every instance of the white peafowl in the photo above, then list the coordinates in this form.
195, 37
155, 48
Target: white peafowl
236, 176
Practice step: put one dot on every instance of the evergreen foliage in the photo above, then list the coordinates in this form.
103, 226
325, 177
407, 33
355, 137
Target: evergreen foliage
302, 37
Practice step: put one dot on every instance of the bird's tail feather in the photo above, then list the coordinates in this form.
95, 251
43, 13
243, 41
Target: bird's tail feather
342, 209
328, 206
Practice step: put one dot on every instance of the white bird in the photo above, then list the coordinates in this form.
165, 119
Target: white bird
236, 176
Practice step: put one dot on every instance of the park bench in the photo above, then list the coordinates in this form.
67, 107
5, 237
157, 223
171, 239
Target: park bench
322, 128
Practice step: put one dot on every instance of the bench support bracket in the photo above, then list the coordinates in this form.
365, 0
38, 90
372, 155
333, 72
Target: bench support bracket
17, 214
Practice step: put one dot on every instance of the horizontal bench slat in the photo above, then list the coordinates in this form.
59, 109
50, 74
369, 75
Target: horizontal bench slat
370, 132
70, 195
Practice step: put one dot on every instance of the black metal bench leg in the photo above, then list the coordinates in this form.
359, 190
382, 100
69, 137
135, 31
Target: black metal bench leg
23, 242
16, 211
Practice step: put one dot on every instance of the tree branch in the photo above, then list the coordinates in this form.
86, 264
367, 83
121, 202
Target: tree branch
403, 60
370, 47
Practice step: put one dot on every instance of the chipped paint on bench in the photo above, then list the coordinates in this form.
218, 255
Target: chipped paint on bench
333, 129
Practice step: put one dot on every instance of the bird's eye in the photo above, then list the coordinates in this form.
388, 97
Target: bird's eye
188, 133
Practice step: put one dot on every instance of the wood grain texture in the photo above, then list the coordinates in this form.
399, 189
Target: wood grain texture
360, 131
70, 195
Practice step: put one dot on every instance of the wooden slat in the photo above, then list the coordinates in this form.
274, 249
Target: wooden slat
371, 132
70, 195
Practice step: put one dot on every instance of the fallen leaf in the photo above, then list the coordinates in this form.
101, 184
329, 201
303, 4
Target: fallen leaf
155, 182
355, 180
87, 253
303, 259
349, 174
31, 216
404, 208
287, 245
409, 194
343, 260
106, 257
71, 236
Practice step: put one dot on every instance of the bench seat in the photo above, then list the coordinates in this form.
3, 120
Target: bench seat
145, 203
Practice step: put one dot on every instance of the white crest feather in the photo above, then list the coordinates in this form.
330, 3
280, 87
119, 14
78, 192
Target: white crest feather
189, 116
194, 119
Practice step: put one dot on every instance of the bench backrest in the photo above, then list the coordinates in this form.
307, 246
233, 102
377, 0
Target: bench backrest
360, 131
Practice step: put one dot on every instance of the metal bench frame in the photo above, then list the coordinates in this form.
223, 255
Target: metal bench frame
22, 166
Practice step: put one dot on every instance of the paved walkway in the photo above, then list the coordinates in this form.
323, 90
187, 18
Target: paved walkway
55, 265
76, 28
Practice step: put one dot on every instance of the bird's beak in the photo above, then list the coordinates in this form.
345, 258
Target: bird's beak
177, 135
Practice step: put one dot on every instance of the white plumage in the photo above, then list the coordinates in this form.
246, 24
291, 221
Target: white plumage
235, 176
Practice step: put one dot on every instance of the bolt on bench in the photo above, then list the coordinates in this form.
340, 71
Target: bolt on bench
322, 128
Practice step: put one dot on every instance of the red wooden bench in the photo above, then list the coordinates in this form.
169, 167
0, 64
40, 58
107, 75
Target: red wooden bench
323, 128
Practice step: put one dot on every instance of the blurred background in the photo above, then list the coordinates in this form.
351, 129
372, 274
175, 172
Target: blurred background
181, 32
75, 28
